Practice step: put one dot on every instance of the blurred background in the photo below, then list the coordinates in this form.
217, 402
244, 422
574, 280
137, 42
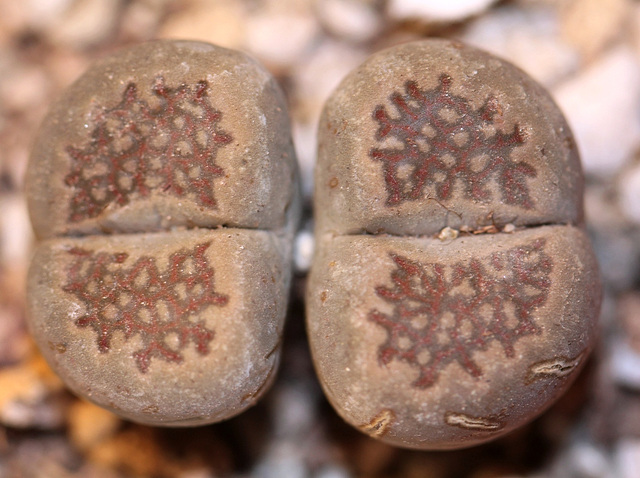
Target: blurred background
586, 52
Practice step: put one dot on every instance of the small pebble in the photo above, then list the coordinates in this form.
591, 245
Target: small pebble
282, 460
30, 397
529, 36
22, 87
303, 251
142, 20
618, 256
436, 10
85, 23
15, 231
629, 188
610, 84
592, 25
625, 365
353, 20
149, 459
627, 458
35, 15
90, 425
197, 19
263, 38
304, 137
588, 461
319, 73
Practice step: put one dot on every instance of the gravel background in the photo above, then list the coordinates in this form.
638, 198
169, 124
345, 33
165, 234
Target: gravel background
586, 52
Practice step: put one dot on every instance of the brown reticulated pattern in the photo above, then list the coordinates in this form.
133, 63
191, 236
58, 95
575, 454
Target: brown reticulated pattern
441, 135
162, 135
454, 293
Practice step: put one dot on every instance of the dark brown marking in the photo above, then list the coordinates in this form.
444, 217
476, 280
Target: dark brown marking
441, 136
379, 425
468, 422
116, 298
557, 367
135, 148
57, 347
444, 314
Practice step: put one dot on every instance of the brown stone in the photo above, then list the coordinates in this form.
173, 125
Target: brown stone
481, 308
165, 185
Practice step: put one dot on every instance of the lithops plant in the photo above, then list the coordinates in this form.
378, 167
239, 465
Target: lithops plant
163, 186
454, 293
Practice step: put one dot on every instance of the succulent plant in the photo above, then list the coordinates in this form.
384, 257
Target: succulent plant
454, 293
164, 186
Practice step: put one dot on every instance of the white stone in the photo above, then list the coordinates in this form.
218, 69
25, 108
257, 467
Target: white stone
280, 38
625, 365
45, 12
332, 472
353, 20
589, 461
305, 141
219, 22
86, 23
320, 72
15, 231
529, 37
303, 251
294, 411
22, 87
629, 194
591, 25
283, 460
436, 10
601, 104
627, 458
141, 20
